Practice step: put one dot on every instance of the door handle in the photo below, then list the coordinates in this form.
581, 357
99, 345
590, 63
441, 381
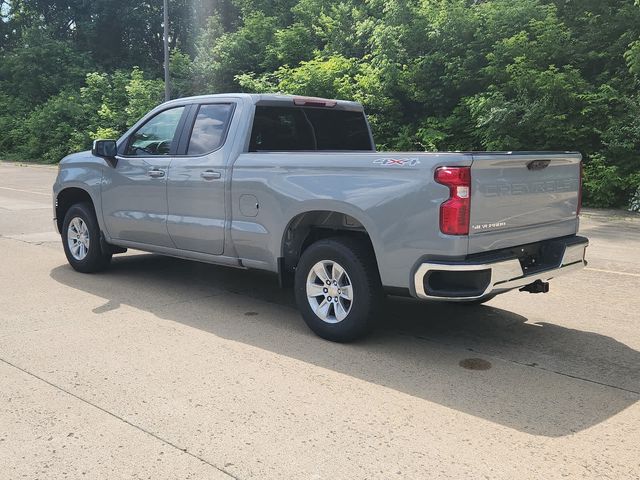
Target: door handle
156, 173
210, 175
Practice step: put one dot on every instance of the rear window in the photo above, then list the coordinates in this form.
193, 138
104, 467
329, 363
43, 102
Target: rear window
302, 128
209, 128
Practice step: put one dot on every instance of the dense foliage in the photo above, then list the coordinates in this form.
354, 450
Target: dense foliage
432, 74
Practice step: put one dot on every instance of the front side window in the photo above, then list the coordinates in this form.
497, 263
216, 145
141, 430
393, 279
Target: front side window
209, 128
155, 137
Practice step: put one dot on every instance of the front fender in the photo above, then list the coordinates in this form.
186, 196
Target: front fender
85, 172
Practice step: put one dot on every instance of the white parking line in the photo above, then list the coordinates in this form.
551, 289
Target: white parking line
26, 191
629, 274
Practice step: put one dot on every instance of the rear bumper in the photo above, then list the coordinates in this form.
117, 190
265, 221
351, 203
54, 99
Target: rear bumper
497, 272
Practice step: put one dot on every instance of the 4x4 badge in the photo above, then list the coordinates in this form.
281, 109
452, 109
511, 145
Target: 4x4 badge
400, 162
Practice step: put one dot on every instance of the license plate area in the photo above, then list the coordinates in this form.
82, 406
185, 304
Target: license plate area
539, 257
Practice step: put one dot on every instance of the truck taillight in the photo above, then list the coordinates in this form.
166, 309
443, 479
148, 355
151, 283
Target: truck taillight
580, 191
454, 213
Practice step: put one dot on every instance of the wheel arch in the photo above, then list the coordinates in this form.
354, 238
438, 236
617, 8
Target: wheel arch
308, 226
69, 196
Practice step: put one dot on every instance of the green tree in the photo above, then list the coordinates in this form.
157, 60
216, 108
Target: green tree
432, 74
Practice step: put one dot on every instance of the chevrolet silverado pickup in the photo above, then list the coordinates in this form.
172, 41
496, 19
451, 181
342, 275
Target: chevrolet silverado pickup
295, 186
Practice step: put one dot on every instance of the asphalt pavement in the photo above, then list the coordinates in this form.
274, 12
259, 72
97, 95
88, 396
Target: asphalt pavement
165, 368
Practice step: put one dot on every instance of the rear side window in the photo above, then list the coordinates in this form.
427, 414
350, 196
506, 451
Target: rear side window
305, 128
210, 128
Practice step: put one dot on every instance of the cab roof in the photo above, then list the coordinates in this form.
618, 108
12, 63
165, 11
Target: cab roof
274, 99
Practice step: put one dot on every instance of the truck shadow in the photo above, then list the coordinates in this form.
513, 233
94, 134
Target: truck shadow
544, 379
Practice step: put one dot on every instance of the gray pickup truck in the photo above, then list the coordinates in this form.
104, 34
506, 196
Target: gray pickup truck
294, 186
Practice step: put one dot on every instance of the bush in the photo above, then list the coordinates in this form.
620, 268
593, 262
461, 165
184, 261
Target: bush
634, 200
53, 130
603, 186
68, 122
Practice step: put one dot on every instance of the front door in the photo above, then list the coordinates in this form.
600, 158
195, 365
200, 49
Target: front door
196, 185
134, 192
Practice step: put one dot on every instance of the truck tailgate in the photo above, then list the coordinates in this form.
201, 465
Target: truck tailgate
522, 197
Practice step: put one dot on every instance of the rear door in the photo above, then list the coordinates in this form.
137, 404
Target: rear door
197, 179
134, 192
518, 198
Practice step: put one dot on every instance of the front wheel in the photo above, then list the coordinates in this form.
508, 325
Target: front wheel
81, 240
337, 288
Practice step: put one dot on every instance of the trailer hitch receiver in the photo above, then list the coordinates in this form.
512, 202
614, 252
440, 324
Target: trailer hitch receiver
536, 287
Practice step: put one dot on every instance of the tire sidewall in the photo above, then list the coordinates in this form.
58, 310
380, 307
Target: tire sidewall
360, 318
95, 259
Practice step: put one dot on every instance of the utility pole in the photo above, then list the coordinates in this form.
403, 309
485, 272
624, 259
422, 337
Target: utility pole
167, 86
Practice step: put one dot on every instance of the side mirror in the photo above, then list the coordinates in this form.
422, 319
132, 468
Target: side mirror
106, 149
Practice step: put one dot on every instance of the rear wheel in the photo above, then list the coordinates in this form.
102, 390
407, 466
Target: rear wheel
338, 289
81, 240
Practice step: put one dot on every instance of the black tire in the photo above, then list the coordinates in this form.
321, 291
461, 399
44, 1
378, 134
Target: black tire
95, 260
358, 261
